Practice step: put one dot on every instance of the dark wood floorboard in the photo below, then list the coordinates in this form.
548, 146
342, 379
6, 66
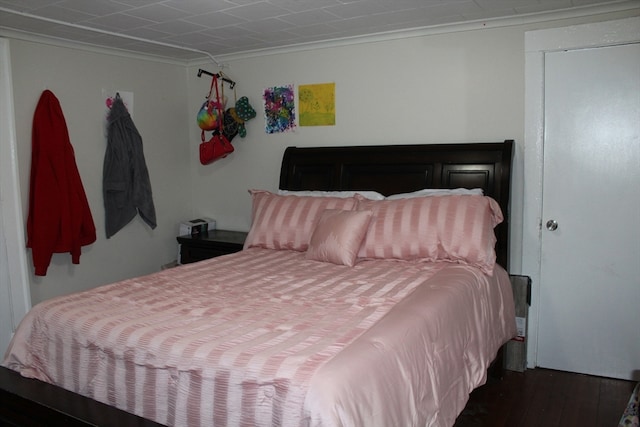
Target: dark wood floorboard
547, 398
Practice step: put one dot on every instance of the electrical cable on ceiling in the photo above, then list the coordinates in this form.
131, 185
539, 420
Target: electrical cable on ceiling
111, 33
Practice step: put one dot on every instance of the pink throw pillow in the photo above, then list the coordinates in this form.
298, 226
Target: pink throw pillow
338, 236
457, 228
286, 222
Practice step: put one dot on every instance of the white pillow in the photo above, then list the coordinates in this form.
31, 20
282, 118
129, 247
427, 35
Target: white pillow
438, 192
371, 195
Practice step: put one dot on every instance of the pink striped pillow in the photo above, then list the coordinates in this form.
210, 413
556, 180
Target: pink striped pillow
286, 222
457, 228
338, 236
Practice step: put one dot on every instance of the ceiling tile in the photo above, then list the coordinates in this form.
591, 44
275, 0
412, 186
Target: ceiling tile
257, 11
177, 27
118, 21
266, 25
215, 19
62, 14
158, 13
303, 5
309, 17
93, 7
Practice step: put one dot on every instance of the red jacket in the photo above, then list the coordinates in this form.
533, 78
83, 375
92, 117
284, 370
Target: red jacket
59, 216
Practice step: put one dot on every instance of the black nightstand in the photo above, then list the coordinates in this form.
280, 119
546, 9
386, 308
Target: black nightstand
211, 244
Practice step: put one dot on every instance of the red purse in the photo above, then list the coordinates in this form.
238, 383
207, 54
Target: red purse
218, 146
215, 148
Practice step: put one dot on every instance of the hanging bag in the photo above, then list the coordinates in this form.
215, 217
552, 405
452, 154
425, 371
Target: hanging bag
218, 146
234, 118
209, 114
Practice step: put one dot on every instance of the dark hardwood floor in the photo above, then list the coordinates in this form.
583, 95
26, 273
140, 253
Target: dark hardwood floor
547, 398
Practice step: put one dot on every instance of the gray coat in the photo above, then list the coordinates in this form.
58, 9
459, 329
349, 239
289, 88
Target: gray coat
125, 182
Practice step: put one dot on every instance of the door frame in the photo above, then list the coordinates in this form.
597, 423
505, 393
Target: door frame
537, 44
12, 219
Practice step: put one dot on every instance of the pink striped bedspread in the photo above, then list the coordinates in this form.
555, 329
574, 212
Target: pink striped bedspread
264, 337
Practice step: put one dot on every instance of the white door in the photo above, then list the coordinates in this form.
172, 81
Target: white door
589, 308
6, 324
15, 299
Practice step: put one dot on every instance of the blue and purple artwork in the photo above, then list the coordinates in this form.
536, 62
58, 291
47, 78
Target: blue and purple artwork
279, 109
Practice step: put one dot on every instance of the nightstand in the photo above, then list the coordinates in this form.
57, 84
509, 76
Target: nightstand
211, 244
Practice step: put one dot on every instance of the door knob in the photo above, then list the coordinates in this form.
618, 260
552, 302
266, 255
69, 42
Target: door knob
552, 225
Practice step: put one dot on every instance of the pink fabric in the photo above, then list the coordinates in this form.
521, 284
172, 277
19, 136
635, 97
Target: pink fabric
455, 228
338, 236
265, 337
286, 222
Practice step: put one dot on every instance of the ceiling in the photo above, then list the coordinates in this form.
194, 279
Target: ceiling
191, 29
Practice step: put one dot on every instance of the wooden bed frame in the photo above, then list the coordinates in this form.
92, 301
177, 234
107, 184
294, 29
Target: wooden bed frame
386, 169
392, 169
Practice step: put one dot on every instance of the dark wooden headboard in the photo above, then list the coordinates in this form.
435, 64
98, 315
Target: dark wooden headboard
391, 169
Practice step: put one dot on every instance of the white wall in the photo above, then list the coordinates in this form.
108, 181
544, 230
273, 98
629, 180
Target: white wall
80, 80
460, 87
450, 87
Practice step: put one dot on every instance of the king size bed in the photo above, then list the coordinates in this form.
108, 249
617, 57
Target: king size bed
360, 299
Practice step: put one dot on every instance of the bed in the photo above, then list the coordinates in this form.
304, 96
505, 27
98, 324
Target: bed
343, 309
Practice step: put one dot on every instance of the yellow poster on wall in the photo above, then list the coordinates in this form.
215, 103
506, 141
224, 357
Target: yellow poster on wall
317, 104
